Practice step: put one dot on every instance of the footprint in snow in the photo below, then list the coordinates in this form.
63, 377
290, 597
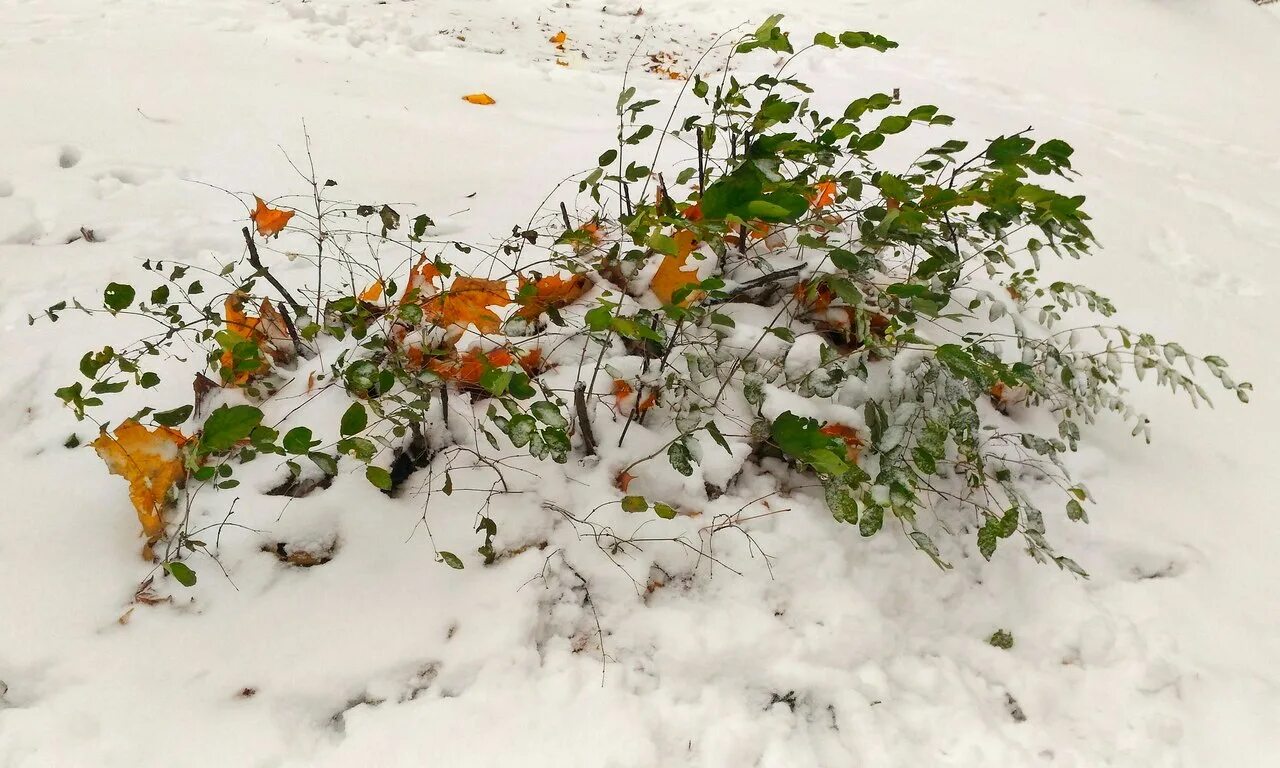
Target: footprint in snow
69, 157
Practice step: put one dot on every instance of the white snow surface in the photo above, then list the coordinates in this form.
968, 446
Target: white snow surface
129, 118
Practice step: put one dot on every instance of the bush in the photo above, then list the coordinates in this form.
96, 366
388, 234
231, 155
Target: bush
777, 296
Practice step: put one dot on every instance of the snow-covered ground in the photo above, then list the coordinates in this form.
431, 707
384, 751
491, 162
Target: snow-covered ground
127, 117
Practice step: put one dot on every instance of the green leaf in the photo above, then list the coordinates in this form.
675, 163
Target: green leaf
825, 39
378, 477
634, 504
298, 440
173, 417
354, 420
840, 500
548, 413
872, 520
228, 425
117, 297
716, 435
326, 463
962, 364
608, 157
680, 458
522, 429
451, 560
664, 511
358, 447
184, 575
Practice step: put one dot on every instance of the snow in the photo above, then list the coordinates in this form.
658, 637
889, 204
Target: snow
129, 118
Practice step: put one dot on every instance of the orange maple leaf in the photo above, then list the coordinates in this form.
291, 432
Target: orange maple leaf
817, 300
468, 368
467, 302
422, 278
852, 440
151, 460
622, 390
551, 292
824, 194
373, 292
269, 221
532, 362
672, 275
483, 99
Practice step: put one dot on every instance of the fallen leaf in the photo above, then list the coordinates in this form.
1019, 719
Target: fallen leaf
672, 275
848, 435
479, 98
552, 292
532, 362
814, 299
274, 330
558, 38
269, 221
623, 480
468, 368
467, 302
422, 280
151, 460
622, 390
562, 63
373, 292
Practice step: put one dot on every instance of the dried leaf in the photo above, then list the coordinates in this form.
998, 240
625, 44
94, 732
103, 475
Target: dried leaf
479, 98
373, 292
848, 435
422, 280
553, 292
269, 221
559, 38
273, 329
672, 275
468, 368
623, 480
824, 194
467, 302
151, 460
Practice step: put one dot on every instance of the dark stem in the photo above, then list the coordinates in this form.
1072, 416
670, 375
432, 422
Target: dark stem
580, 405
564, 213
772, 277
702, 166
288, 324
257, 264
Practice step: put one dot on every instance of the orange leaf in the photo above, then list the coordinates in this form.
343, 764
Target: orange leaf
479, 98
558, 38
373, 292
551, 292
470, 367
467, 302
824, 194
671, 275
621, 389
623, 480
269, 221
421, 279
849, 435
532, 361
151, 460
816, 301
236, 319
693, 212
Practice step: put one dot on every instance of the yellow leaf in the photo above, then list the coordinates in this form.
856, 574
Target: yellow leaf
269, 221
479, 98
559, 38
151, 460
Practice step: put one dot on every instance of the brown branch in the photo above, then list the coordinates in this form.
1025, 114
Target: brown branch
257, 264
580, 405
